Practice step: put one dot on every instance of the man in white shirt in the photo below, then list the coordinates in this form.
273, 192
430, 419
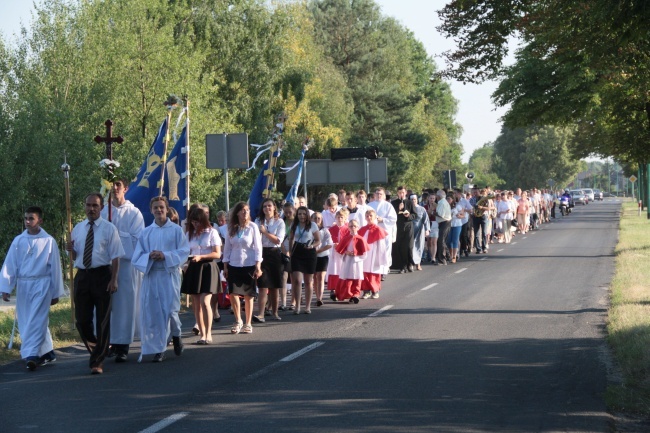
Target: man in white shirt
96, 250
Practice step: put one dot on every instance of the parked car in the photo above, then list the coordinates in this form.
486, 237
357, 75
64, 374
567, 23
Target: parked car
589, 193
598, 195
579, 197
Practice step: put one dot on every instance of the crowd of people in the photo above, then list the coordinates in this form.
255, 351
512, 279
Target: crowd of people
130, 278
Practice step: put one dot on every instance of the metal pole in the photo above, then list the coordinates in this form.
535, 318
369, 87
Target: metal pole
304, 179
66, 176
366, 174
225, 171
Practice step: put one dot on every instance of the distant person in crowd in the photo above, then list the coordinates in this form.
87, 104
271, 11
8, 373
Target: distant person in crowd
288, 215
329, 211
272, 230
356, 210
322, 257
432, 239
32, 266
421, 228
242, 264
403, 246
337, 232
353, 249
96, 249
386, 219
160, 253
443, 217
377, 255
304, 239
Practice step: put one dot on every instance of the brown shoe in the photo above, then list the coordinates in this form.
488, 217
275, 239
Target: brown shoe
97, 370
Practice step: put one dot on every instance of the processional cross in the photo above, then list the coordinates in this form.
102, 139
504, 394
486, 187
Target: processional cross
109, 140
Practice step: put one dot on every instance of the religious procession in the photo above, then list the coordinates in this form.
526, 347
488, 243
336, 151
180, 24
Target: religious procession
142, 246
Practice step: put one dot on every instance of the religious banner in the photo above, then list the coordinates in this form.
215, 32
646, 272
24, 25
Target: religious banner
176, 176
147, 183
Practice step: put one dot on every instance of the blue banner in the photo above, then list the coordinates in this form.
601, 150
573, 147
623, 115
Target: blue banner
176, 176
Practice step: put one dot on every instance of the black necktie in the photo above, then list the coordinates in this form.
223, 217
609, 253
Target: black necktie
88, 247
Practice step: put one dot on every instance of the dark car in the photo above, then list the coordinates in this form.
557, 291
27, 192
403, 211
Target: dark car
598, 195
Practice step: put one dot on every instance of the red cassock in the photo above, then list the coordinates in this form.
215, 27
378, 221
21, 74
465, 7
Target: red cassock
334, 264
376, 257
351, 272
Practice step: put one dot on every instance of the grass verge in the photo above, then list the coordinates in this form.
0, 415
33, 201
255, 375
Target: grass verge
63, 332
629, 316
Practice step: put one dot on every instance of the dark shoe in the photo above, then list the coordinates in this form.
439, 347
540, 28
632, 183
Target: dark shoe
31, 363
111, 352
259, 319
217, 319
120, 358
97, 370
435, 263
282, 308
383, 277
319, 303
159, 357
178, 346
402, 271
410, 268
267, 313
355, 300
333, 296
443, 262
195, 331
47, 358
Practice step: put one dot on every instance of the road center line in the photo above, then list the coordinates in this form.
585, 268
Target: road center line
430, 286
381, 310
498, 251
302, 351
281, 362
460, 270
165, 422
484, 258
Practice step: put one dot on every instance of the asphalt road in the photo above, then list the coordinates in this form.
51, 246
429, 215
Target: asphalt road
511, 341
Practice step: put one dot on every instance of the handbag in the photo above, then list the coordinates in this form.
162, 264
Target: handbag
285, 259
514, 223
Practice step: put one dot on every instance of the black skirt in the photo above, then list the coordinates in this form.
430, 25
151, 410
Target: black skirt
303, 259
201, 277
321, 263
272, 269
241, 281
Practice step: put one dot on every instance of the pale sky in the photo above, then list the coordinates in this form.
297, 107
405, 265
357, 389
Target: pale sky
477, 115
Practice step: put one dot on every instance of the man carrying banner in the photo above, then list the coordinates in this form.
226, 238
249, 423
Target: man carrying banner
96, 249
130, 224
33, 267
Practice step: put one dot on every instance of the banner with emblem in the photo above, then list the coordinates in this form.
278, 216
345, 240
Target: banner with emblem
177, 176
147, 183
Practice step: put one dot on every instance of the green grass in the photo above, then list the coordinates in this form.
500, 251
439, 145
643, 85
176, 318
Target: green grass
629, 316
63, 332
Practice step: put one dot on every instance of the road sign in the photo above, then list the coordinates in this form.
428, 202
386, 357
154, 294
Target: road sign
226, 151
344, 171
633, 178
550, 182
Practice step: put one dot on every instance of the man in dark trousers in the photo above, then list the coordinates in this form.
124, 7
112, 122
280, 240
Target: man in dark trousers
403, 245
96, 249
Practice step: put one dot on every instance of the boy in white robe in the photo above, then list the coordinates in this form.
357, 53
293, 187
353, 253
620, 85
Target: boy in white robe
161, 251
130, 223
33, 267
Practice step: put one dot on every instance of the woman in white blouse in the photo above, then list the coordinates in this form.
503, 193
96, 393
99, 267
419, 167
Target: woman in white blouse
304, 239
201, 274
272, 230
242, 264
322, 257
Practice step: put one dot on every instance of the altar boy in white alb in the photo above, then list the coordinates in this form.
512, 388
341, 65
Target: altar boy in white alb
33, 267
159, 254
130, 224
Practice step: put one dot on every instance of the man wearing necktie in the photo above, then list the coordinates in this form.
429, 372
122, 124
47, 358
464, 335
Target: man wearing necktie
96, 249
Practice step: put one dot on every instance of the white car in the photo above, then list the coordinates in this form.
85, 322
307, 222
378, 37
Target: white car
589, 193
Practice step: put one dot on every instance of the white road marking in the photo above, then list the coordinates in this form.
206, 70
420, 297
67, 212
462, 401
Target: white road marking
525, 237
381, 310
165, 422
498, 251
281, 362
302, 351
430, 286
512, 243
460, 270
484, 258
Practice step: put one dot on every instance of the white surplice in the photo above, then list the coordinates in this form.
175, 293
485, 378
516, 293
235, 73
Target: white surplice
386, 211
130, 224
161, 286
33, 267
